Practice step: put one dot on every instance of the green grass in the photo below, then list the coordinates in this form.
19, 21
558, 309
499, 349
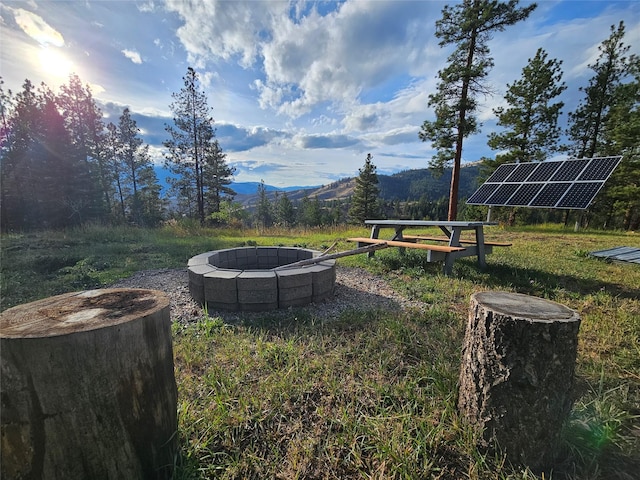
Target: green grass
373, 393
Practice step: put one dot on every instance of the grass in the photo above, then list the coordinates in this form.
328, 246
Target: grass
373, 394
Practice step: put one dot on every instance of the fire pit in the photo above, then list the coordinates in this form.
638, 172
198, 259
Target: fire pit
249, 278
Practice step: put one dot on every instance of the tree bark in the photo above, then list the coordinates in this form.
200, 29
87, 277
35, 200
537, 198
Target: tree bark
517, 374
88, 387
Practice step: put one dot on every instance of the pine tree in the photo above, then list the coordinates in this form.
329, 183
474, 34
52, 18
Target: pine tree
193, 149
531, 119
285, 212
621, 194
138, 173
364, 203
586, 123
217, 176
264, 212
83, 121
468, 25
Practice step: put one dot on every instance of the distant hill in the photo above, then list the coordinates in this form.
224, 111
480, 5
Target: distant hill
241, 188
406, 185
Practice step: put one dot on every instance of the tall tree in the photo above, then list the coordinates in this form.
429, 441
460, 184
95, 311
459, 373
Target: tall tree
83, 121
193, 149
264, 212
531, 119
111, 156
364, 202
144, 192
469, 25
217, 176
285, 211
586, 123
621, 194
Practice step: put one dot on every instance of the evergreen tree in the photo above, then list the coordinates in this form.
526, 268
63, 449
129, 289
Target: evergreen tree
310, 212
285, 211
468, 25
111, 156
620, 197
141, 181
217, 176
531, 120
83, 121
364, 203
586, 123
193, 149
41, 172
264, 212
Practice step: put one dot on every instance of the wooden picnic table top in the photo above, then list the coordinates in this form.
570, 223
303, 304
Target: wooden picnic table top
428, 223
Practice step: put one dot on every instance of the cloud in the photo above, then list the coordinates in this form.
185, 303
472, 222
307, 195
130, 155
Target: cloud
326, 141
233, 138
305, 57
35, 26
132, 55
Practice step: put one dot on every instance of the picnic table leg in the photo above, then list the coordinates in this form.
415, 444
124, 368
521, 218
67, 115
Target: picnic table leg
448, 263
375, 231
480, 246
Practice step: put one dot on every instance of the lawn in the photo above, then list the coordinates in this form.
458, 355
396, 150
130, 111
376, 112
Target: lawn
373, 393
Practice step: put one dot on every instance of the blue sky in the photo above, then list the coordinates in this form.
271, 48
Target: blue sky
301, 91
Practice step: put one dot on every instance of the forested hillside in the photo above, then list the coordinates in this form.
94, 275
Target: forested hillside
408, 185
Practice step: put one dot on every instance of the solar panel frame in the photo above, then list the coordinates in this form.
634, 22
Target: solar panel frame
561, 184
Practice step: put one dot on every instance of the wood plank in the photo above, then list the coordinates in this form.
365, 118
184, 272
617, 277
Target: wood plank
445, 239
395, 243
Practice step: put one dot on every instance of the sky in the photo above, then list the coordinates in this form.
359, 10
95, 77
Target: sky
301, 91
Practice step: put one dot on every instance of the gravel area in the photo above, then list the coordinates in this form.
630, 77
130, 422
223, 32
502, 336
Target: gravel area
355, 288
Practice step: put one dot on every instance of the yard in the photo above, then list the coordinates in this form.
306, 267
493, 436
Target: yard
371, 393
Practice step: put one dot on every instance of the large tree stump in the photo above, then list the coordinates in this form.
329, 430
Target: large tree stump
517, 374
88, 387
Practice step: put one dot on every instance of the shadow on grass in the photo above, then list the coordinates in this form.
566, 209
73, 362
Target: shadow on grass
541, 283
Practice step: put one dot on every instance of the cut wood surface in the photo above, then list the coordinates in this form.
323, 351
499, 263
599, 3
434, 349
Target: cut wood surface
88, 387
396, 243
517, 374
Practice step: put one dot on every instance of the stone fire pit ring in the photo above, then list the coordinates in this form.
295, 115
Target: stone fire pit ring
247, 278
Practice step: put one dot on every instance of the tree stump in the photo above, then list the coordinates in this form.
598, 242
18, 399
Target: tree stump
517, 374
88, 387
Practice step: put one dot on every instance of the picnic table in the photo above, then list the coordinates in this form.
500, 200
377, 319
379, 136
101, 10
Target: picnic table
447, 248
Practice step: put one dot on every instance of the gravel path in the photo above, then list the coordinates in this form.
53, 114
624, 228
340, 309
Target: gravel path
355, 288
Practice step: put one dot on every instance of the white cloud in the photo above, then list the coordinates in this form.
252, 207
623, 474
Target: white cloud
35, 26
132, 55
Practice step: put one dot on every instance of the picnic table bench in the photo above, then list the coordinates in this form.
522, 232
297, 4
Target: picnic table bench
455, 246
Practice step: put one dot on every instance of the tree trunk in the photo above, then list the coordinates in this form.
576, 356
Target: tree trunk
517, 374
88, 387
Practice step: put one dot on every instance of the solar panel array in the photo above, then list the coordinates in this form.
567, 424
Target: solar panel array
569, 184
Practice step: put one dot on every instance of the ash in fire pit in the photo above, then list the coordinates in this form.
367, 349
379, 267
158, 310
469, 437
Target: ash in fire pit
247, 279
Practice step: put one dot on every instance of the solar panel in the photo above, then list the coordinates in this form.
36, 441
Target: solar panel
550, 194
525, 193
544, 171
569, 170
483, 193
521, 173
502, 194
502, 172
578, 195
571, 184
600, 169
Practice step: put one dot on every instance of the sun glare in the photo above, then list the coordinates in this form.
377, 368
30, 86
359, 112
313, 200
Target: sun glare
55, 63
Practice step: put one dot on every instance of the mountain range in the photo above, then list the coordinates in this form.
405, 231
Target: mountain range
406, 185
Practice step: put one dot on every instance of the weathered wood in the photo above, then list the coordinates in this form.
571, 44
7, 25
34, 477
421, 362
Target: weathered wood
323, 257
517, 374
88, 387
445, 239
395, 243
